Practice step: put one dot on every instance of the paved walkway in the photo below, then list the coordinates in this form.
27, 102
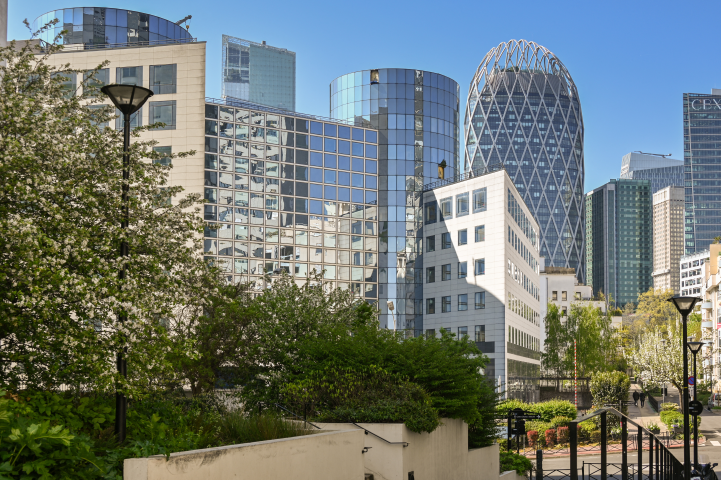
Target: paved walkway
643, 415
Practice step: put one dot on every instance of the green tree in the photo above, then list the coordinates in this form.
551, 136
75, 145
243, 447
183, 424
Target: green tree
609, 388
655, 309
60, 231
558, 338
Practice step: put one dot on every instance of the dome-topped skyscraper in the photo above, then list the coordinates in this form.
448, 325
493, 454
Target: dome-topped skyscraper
523, 111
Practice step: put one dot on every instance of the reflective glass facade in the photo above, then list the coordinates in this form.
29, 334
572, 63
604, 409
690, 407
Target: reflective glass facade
523, 111
661, 171
416, 115
619, 239
702, 169
258, 73
99, 25
291, 193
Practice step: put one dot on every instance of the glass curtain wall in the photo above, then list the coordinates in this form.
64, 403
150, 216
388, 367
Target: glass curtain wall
98, 26
291, 194
416, 115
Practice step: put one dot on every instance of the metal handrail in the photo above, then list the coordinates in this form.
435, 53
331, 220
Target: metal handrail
405, 444
476, 172
296, 416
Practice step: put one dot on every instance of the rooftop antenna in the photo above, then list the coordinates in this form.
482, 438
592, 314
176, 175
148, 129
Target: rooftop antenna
654, 154
187, 26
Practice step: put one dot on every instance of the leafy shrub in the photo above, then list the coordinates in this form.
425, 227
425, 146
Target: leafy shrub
609, 387
596, 436
532, 438
670, 418
367, 394
653, 427
513, 461
586, 428
562, 433
550, 435
554, 408
506, 406
669, 407
561, 421
235, 427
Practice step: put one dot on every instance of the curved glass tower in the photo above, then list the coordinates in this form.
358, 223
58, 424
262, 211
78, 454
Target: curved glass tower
523, 111
100, 25
416, 115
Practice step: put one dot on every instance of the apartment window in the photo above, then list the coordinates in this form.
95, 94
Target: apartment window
68, 83
430, 274
462, 331
431, 243
480, 300
480, 333
480, 233
430, 306
431, 213
446, 304
462, 269
462, 237
129, 76
461, 205
463, 303
563, 311
445, 240
577, 295
431, 333
446, 209
480, 266
97, 81
163, 112
479, 200
165, 160
446, 272
564, 296
554, 296
163, 78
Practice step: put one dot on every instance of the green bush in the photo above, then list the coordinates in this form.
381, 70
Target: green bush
669, 407
653, 427
554, 408
235, 427
609, 388
676, 418
506, 406
595, 436
561, 421
512, 461
366, 394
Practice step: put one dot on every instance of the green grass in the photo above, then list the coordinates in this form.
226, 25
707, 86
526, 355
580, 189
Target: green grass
235, 427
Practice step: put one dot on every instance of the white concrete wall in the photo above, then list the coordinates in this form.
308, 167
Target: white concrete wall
323, 456
440, 454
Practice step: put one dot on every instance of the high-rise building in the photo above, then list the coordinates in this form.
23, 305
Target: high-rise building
278, 186
480, 258
258, 73
668, 207
702, 162
3, 22
661, 171
619, 239
523, 111
416, 114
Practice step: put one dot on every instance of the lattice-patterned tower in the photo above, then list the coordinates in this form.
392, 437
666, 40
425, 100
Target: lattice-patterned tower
523, 111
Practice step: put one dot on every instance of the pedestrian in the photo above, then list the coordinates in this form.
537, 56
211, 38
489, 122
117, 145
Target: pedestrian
643, 398
635, 398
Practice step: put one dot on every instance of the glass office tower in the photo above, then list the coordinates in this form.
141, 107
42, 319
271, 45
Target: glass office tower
98, 26
258, 73
619, 239
661, 171
416, 114
523, 111
702, 169
290, 193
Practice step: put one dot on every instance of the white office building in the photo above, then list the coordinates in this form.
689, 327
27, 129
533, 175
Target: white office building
481, 260
693, 274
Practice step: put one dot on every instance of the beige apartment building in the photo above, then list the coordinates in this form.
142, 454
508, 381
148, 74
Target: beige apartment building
668, 208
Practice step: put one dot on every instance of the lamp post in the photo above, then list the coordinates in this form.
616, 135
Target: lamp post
128, 99
694, 347
685, 305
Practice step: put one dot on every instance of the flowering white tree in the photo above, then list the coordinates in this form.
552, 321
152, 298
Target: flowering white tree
658, 356
60, 217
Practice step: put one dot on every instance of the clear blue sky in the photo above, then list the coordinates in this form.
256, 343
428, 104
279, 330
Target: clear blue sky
631, 60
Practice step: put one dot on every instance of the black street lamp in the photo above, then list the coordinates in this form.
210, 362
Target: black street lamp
128, 99
685, 305
694, 347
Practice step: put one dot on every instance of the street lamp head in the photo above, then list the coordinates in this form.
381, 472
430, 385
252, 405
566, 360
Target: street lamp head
694, 346
684, 305
127, 98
